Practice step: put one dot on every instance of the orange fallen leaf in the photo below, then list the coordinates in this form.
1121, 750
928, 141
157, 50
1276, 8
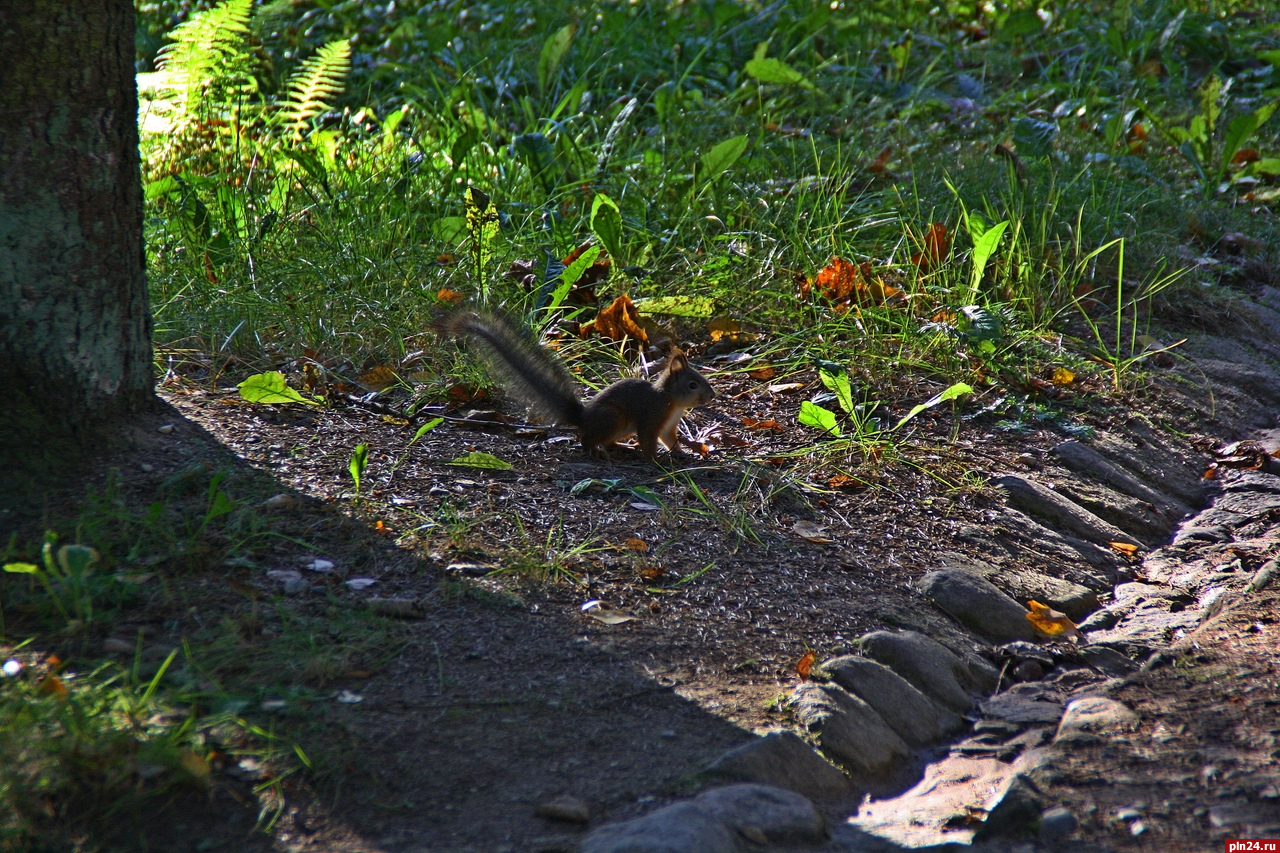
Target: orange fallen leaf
880, 164
594, 274
805, 664
653, 573
1050, 622
764, 374
449, 296
465, 393
1245, 156
619, 321
635, 544
1124, 548
843, 481
52, 685
771, 426
937, 243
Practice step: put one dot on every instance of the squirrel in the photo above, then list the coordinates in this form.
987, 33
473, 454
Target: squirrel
628, 407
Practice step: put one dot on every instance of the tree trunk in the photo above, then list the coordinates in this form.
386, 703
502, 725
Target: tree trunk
75, 327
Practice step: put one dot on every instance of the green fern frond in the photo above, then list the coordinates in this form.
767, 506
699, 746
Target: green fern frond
208, 61
312, 89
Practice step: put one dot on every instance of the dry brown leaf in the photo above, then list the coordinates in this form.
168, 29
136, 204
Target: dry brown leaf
764, 374
937, 244
379, 377
451, 297
805, 665
771, 426
618, 322
881, 163
635, 544
1050, 622
811, 532
1129, 550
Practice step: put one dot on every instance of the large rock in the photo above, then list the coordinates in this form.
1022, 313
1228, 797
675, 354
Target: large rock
1084, 460
916, 718
735, 819
765, 814
930, 666
785, 761
679, 828
1059, 512
849, 731
978, 604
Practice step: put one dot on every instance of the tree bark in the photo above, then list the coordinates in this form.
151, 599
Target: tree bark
75, 327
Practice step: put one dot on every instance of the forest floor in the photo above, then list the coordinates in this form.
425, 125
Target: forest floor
447, 677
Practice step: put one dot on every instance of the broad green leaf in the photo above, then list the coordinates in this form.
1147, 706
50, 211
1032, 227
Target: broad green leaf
983, 248
1022, 23
678, 306
476, 459
270, 388
838, 382
957, 390
1240, 129
606, 224
553, 51
718, 160
816, 416
426, 428
777, 71
359, 459
451, 229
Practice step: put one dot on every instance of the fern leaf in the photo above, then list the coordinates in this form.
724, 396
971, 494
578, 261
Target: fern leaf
313, 88
207, 56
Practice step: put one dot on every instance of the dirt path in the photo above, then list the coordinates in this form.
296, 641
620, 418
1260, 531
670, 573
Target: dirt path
490, 692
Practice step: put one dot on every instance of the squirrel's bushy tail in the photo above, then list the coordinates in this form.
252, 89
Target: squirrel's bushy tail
527, 370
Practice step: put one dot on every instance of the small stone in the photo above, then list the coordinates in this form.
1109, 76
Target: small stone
117, 646
280, 501
146, 468
296, 586
1057, 824
1095, 714
1028, 670
567, 808
165, 429
11, 668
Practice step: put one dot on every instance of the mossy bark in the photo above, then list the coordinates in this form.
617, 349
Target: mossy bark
75, 328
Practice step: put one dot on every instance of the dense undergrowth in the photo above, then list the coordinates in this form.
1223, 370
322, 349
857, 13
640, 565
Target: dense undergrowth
980, 194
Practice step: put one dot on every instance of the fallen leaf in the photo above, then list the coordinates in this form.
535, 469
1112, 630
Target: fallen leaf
51, 685
1129, 550
634, 544
378, 378
725, 329
812, 532
1050, 622
618, 322
597, 611
764, 374
880, 164
770, 426
785, 387
843, 481
936, 245
653, 573
1062, 376
1245, 156
476, 459
449, 297
805, 664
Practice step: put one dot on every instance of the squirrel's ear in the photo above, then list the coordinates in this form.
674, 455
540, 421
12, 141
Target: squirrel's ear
677, 360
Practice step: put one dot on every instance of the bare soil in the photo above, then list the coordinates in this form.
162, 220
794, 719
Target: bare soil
494, 691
